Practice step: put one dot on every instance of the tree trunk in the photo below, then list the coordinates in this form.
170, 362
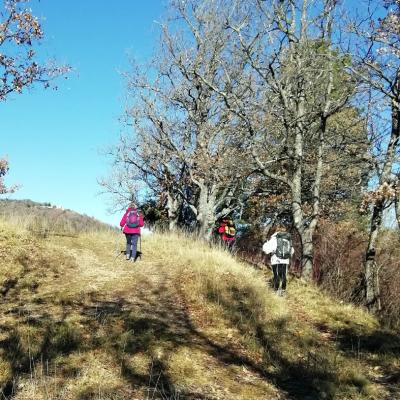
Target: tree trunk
371, 269
307, 255
173, 207
307, 232
206, 210
397, 203
307, 259
298, 214
371, 273
396, 128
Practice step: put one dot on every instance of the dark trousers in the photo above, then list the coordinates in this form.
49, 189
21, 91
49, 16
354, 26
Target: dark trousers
229, 245
131, 244
279, 271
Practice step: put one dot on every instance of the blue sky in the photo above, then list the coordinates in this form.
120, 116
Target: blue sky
53, 138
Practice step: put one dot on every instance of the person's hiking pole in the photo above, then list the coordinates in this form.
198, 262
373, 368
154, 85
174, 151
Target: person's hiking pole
117, 247
139, 253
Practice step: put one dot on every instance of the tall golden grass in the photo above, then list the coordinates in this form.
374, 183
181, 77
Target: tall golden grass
44, 220
188, 320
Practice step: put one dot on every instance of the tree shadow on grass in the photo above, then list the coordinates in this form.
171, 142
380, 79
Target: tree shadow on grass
378, 342
164, 318
303, 379
158, 316
55, 338
381, 348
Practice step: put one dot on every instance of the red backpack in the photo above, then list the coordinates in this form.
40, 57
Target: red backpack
132, 219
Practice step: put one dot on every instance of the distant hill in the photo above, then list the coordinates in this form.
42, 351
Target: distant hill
45, 218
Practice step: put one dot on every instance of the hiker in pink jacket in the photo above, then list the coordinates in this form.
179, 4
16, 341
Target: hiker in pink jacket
130, 224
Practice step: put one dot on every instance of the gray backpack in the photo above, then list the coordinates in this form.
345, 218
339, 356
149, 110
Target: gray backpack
283, 245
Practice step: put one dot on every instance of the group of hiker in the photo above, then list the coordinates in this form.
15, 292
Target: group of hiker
279, 246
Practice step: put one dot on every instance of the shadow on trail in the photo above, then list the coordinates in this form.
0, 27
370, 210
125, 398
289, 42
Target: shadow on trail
156, 321
162, 317
303, 379
370, 346
378, 342
35, 339
153, 318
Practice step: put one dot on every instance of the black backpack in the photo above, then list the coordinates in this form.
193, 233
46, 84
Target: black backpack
283, 245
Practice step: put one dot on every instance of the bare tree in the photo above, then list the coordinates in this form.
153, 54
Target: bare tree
376, 65
142, 165
185, 137
397, 201
121, 184
287, 49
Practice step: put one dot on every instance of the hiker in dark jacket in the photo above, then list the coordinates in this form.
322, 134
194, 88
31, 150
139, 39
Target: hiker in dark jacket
281, 250
131, 223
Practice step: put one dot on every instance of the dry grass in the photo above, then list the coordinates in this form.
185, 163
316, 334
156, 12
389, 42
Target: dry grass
43, 220
188, 321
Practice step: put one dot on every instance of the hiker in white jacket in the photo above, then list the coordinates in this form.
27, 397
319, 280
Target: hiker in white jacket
280, 246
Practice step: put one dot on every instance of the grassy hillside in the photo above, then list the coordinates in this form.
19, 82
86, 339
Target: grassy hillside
186, 322
43, 219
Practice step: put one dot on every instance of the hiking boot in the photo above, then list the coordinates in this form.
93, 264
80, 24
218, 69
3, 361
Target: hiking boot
127, 258
283, 293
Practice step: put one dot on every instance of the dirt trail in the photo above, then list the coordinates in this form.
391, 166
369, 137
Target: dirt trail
82, 309
148, 297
